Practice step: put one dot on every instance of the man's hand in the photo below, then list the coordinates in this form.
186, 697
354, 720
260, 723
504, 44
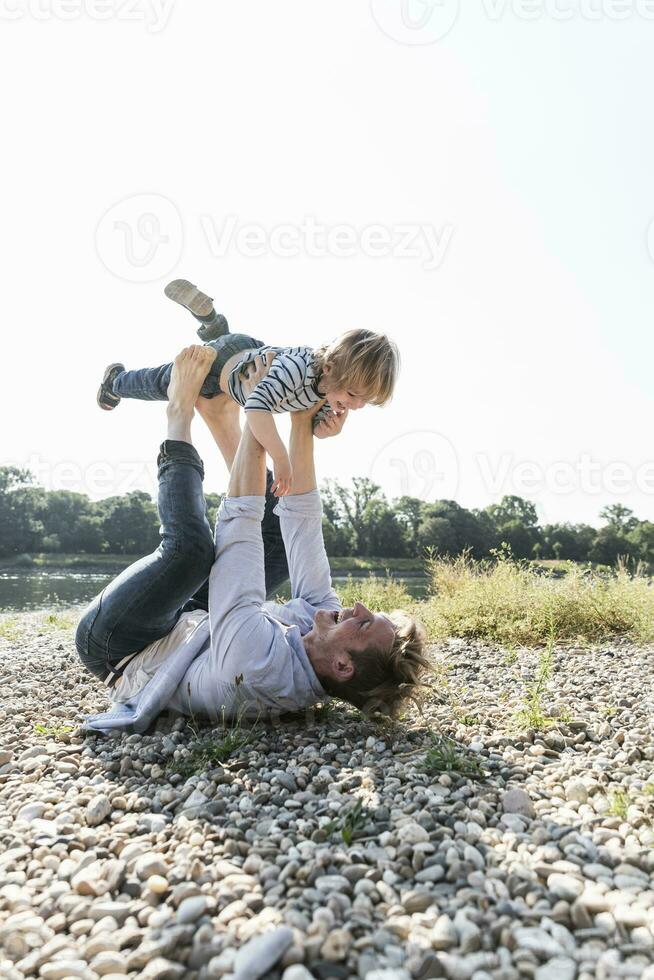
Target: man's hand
332, 425
256, 371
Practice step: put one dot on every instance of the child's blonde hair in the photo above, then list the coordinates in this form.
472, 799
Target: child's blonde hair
361, 359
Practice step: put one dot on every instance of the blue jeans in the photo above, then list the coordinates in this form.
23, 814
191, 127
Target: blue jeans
145, 601
151, 384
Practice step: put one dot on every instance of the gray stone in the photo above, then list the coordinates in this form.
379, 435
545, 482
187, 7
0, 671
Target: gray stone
517, 801
261, 953
191, 909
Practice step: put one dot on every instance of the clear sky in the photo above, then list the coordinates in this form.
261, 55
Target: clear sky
476, 182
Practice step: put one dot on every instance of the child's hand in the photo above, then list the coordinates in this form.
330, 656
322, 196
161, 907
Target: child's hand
330, 426
282, 475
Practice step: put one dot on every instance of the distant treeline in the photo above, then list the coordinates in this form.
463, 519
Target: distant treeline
359, 521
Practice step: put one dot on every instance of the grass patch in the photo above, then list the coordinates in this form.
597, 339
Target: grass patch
57, 621
619, 802
10, 630
380, 594
445, 755
213, 747
349, 824
532, 714
509, 602
210, 750
53, 731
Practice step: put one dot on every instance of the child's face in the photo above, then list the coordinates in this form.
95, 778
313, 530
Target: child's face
341, 399
345, 398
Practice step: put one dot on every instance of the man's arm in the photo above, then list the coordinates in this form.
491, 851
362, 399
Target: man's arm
300, 515
237, 582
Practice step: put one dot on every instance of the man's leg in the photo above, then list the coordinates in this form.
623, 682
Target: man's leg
145, 601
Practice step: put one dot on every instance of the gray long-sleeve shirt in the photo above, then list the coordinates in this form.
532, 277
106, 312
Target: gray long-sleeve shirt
245, 657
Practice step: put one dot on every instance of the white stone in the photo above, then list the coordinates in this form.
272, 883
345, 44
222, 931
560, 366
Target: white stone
97, 811
412, 833
297, 972
444, 935
565, 886
538, 941
576, 790
62, 969
558, 968
31, 811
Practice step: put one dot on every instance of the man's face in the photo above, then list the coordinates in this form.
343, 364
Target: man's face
336, 635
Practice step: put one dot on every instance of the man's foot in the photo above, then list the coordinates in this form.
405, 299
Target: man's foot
190, 368
106, 399
213, 325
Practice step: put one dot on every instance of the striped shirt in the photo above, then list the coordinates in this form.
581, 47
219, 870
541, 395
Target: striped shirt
291, 384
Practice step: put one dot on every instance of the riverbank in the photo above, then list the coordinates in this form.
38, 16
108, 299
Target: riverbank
479, 838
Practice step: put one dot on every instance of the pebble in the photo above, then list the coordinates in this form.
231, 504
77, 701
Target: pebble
260, 954
517, 801
97, 811
558, 968
565, 886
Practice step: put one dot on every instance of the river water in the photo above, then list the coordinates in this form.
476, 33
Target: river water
29, 590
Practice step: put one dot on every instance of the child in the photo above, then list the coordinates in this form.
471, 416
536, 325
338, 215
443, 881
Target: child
358, 368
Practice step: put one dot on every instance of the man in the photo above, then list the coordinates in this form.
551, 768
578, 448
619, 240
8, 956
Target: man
150, 637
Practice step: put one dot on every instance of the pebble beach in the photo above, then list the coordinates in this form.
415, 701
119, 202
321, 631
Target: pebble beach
463, 841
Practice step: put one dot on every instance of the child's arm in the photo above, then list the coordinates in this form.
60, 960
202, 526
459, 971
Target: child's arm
263, 428
330, 425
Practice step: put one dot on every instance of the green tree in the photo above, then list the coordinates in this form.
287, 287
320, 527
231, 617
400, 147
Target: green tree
21, 529
567, 541
619, 517
410, 513
130, 523
516, 523
641, 538
610, 544
62, 516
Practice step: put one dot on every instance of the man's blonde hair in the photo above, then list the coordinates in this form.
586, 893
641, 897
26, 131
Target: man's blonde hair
384, 680
360, 359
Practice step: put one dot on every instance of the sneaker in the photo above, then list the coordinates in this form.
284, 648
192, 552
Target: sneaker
212, 325
106, 397
186, 294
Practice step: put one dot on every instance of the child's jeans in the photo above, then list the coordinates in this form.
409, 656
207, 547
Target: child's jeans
151, 384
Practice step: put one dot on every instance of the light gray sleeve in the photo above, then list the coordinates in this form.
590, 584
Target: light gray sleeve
240, 630
300, 518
